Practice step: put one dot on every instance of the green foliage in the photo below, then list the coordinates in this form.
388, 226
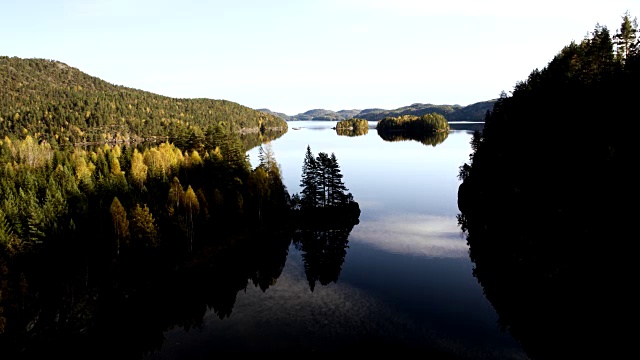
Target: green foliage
626, 38
353, 123
427, 123
144, 233
59, 104
352, 127
120, 224
43, 199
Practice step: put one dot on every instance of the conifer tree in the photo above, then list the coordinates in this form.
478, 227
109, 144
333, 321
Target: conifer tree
625, 37
323, 161
309, 181
259, 188
192, 207
337, 189
144, 233
120, 224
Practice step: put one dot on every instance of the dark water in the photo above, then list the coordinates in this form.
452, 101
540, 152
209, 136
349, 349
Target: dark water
405, 282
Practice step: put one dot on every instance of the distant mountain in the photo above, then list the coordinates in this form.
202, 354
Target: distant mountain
278, 114
413, 109
473, 112
348, 114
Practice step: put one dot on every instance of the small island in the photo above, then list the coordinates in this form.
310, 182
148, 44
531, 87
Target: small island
324, 200
352, 127
412, 124
429, 129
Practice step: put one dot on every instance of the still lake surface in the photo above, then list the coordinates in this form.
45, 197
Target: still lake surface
406, 280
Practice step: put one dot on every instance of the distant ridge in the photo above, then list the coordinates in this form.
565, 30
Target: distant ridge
473, 112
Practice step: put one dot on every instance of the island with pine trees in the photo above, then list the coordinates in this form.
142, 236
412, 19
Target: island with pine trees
352, 127
429, 129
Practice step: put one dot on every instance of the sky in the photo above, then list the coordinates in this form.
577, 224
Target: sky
297, 55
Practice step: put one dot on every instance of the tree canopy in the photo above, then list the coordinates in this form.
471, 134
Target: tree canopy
54, 102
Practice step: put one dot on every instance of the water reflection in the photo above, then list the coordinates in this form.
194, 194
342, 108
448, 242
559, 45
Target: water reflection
356, 131
549, 254
431, 139
414, 234
323, 252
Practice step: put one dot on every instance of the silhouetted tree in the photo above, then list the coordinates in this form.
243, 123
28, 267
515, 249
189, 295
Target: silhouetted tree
309, 181
625, 37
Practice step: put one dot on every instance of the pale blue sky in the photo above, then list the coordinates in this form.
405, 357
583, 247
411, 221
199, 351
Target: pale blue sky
293, 56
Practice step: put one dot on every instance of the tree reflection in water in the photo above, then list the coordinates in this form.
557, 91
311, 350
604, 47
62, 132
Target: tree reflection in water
77, 303
431, 139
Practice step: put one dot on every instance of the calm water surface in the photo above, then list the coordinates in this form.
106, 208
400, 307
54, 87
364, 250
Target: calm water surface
406, 278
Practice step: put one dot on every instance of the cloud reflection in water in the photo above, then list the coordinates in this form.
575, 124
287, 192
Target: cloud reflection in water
414, 234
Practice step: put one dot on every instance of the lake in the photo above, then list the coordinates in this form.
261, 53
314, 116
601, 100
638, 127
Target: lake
403, 282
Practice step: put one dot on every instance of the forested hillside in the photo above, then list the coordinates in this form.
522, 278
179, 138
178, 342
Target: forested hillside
52, 101
548, 197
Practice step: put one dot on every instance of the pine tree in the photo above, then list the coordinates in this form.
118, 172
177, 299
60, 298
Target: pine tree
625, 37
268, 161
337, 189
323, 178
144, 233
309, 181
259, 189
120, 224
192, 207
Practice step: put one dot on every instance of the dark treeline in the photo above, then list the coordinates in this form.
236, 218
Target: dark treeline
53, 102
50, 194
548, 200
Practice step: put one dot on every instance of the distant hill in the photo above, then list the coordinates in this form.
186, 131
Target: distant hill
413, 109
348, 114
473, 112
50, 100
278, 114
319, 114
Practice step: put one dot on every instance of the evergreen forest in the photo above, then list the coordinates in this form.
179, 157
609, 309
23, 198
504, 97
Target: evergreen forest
61, 105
